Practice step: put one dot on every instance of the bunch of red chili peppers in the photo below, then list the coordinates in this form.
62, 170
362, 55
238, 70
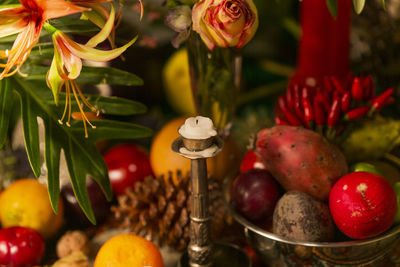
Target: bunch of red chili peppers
326, 108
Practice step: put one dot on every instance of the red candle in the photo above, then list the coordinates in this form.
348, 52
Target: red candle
324, 44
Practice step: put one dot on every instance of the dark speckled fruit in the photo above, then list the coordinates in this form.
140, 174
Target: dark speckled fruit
300, 217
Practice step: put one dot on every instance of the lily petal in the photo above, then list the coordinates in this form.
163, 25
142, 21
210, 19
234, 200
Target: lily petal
54, 80
12, 28
95, 17
105, 31
57, 8
93, 54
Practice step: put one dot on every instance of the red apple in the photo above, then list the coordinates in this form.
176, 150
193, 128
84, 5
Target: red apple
126, 164
255, 194
20, 247
363, 204
251, 161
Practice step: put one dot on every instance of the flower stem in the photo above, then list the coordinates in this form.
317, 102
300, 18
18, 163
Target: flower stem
50, 28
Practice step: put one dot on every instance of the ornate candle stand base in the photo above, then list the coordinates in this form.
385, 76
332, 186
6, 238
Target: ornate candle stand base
201, 252
222, 255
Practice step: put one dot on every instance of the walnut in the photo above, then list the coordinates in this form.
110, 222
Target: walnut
73, 241
75, 259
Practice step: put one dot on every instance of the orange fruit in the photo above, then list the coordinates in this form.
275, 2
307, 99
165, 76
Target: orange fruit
163, 159
26, 203
128, 250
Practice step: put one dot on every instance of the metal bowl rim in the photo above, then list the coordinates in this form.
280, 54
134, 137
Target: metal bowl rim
394, 230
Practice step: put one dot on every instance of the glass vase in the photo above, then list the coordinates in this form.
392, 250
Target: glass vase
215, 80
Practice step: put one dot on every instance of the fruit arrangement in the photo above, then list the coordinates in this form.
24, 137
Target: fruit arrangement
322, 196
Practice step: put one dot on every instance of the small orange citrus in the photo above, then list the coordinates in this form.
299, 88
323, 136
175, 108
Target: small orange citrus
26, 203
163, 159
128, 250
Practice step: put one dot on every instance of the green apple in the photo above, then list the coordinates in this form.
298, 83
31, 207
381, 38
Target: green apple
384, 169
365, 167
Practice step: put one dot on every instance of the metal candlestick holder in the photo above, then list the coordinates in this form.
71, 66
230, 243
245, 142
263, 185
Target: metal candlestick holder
201, 251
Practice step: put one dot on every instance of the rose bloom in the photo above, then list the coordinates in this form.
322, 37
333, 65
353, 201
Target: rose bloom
225, 23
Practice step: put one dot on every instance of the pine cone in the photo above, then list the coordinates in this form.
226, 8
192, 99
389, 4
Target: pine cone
159, 210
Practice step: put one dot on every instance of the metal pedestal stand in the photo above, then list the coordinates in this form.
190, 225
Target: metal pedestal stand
201, 251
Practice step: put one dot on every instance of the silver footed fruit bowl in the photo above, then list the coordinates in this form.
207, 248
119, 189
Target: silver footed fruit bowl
277, 251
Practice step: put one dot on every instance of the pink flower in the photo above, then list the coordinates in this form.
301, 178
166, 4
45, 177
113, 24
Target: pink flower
225, 23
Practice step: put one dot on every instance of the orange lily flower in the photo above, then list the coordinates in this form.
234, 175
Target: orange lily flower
27, 20
99, 14
67, 64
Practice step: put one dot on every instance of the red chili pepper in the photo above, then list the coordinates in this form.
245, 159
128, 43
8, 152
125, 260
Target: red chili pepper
297, 103
280, 121
389, 101
327, 84
379, 101
337, 85
349, 80
345, 102
307, 108
282, 102
340, 130
324, 99
290, 98
369, 90
334, 113
319, 113
308, 111
278, 111
356, 113
357, 90
304, 93
292, 119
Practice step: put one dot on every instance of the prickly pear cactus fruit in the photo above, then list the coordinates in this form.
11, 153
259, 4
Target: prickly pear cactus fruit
370, 139
301, 159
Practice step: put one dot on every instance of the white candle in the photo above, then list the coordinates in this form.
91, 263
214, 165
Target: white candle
198, 128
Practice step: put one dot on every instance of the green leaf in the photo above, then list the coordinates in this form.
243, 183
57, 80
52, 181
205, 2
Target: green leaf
384, 4
72, 25
52, 157
113, 130
6, 107
81, 155
358, 5
41, 51
31, 133
333, 7
118, 106
77, 174
107, 105
292, 26
89, 75
108, 75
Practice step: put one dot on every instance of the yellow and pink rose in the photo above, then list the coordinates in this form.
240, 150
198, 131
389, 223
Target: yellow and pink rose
225, 23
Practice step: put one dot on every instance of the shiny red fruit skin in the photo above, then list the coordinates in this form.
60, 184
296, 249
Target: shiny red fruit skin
126, 164
251, 161
255, 194
74, 213
363, 204
20, 247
